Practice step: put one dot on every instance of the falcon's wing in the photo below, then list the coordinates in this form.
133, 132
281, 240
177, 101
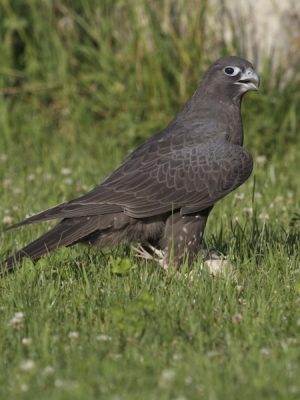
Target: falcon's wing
189, 178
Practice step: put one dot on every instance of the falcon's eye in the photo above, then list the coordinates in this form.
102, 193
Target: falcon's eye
231, 71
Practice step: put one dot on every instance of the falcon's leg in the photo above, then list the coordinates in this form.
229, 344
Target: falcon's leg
183, 236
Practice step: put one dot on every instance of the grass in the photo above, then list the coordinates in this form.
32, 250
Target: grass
106, 325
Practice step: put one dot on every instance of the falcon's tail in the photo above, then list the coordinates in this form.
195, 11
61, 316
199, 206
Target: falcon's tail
66, 233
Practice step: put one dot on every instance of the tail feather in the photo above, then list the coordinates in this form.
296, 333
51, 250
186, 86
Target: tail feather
66, 233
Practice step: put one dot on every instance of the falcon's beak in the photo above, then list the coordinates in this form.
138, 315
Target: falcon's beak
249, 79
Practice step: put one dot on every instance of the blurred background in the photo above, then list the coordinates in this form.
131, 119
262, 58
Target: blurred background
83, 82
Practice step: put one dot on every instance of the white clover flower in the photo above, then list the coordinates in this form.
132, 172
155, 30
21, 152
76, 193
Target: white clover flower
17, 318
263, 216
291, 340
236, 318
68, 181
58, 383
264, 351
294, 389
7, 182
73, 335
19, 315
103, 338
278, 198
17, 190
168, 375
66, 171
66, 24
177, 357
3, 157
26, 341
239, 196
261, 159
27, 365
24, 387
49, 370
31, 177
188, 380
7, 219
116, 356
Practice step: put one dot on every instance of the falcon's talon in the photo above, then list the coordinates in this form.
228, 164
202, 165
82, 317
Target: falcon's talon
160, 259
142, 253
159, 253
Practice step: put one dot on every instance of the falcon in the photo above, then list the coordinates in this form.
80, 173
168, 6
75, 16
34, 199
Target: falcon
164, 191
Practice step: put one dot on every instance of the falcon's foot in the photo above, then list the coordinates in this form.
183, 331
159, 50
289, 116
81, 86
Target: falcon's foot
215, 261
156, 255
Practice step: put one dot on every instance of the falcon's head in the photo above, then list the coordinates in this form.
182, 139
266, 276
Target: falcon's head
231, 77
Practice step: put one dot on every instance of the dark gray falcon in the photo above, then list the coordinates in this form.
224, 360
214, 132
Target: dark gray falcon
162, 194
